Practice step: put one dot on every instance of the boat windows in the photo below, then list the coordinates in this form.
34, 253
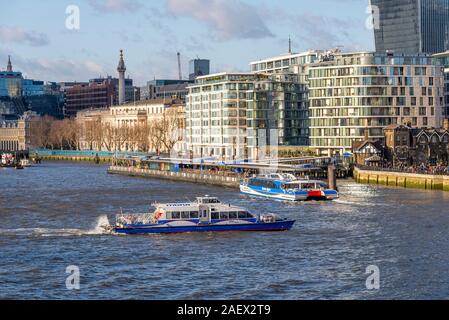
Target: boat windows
215, 216
233, 215
244, 215
322, 185
308, 186
194, 214
224, 215
292, 186
185, 215
264, 183
176, 215
168, 216
210, 201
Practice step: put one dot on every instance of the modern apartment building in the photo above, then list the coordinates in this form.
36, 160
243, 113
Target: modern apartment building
412, 26
443, 59
288, 63
297, 64
354, 92
234, 116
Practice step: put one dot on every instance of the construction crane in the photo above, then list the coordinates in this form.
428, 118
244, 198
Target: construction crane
179, 66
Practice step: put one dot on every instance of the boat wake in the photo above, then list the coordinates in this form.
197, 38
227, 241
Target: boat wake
102, 227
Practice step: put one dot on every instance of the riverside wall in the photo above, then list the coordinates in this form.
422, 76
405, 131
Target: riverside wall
404, 180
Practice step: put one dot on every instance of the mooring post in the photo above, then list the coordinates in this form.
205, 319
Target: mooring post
332, 177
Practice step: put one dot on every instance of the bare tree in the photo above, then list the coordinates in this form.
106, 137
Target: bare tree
40, 132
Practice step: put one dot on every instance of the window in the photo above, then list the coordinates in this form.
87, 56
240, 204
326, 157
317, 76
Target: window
185, 215
215, 216
233, 215
224, 215
244, 215
194, 214
176, 215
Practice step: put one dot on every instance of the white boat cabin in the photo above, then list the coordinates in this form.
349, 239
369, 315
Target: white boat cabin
205, 209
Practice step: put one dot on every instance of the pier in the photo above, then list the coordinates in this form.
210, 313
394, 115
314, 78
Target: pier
231, 181
223, 174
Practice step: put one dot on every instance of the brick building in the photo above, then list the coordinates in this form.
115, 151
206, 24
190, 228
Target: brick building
92, 95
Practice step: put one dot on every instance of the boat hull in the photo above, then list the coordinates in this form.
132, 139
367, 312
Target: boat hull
275, 226
298, 196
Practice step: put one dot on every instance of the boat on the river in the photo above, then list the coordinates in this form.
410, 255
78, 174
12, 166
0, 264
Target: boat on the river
287, 187
206, 214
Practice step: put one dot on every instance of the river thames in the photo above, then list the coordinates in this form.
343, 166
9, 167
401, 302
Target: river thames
49, 216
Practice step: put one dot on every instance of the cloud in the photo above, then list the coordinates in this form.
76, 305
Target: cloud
20, 35
115, 6
319, 31
229, 19
61, 69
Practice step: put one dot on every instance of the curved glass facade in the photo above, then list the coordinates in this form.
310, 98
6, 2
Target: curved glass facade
412, 26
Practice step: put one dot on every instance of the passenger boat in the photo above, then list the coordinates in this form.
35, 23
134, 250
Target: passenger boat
206, 214
287, 187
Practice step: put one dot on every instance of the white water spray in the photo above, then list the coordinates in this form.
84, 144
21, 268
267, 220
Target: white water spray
102, 226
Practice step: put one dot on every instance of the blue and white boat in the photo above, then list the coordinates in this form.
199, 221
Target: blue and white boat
287, 187
206, 214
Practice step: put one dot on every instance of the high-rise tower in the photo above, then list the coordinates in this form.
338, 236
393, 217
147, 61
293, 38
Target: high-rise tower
412, 26
121, 82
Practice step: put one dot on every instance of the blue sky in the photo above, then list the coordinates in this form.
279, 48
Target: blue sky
231, 33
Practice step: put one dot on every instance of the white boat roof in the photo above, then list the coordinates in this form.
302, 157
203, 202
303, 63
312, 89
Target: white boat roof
192, 206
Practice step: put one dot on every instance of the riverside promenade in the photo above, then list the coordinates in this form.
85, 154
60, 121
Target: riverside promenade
400, 179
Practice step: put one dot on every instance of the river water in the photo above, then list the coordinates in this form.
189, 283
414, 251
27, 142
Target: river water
49, 216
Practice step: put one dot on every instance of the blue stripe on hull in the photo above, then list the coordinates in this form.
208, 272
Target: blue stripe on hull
266, 196
274, 197
277, 226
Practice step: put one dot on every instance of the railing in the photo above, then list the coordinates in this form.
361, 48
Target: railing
434, 171
187, 176
85, 153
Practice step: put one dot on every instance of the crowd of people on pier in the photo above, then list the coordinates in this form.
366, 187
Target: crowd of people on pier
421, 169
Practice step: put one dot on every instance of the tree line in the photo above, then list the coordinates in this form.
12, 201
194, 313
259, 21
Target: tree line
155, 135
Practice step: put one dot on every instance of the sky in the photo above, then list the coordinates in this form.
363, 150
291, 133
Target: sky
231, 33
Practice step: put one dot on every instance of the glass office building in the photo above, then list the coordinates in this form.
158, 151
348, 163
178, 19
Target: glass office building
198, 68
443, 60
412, 26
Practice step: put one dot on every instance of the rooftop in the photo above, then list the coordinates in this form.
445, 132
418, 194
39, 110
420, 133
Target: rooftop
290, 55
166, 101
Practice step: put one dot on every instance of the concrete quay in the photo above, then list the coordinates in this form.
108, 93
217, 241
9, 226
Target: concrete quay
404, 180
